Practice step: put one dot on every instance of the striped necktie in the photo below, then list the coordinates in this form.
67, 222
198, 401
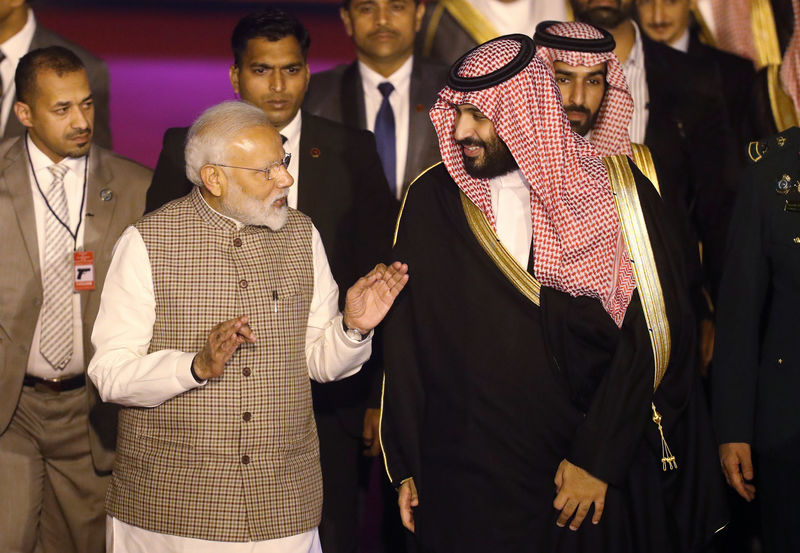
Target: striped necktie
56, 330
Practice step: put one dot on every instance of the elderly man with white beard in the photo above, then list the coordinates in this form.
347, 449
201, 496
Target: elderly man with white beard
217, 309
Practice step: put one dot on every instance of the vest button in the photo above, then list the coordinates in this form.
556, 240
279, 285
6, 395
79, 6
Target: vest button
246, 371
245, 459
237, 242
243, 283
246, 416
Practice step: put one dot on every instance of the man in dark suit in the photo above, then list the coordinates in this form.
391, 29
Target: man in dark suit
61, 198
21, 33
383, 34
672, 23
339, 183
684, 125
756, 359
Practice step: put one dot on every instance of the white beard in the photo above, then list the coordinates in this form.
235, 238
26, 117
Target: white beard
249, 211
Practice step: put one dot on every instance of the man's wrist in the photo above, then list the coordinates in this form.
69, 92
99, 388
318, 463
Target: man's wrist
354, 332
194, 373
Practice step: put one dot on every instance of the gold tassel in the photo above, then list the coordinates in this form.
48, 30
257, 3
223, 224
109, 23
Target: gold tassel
667, 458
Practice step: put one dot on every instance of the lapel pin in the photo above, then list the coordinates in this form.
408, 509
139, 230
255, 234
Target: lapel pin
315, 152
784, 184
106, 195
419, 108
781, 141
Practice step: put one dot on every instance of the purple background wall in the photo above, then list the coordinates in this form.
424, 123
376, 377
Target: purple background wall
168, 64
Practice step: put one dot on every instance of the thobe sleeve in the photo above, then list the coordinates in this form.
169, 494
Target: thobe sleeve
121, 368
745, 284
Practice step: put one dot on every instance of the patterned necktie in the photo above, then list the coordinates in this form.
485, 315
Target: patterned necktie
385, 138
56, 332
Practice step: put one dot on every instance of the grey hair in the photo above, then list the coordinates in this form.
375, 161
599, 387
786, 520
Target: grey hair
215, 129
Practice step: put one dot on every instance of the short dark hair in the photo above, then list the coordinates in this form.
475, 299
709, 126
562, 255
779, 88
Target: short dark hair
272, 24
346, 3
53, 58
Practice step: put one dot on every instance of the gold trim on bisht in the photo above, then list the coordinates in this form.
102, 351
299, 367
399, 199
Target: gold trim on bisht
765, 34
507, 263
644, 161
783, 110
705, 34
433, 26
637, 242
471, 20
403, 204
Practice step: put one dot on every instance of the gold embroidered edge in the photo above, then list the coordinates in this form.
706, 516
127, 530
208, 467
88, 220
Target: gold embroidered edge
643, 159
488, 240
433, 26
403, 204
473, 21
783, 111
634, 231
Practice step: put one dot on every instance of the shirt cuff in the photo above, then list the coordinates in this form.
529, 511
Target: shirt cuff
347, 340
183, 372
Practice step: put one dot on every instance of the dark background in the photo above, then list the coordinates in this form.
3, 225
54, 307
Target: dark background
169, 60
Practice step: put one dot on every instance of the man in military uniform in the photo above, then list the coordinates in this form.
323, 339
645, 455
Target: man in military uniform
756, 360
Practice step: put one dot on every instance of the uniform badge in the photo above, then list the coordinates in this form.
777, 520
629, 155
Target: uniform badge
784, 184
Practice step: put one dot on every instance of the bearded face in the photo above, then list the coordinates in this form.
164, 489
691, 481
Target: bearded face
606, 14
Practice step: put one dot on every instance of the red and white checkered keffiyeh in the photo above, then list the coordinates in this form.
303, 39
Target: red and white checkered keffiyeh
733, 30
577, 243
610, 132
790, 66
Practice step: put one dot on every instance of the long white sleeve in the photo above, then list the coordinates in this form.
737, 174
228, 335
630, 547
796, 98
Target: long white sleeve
124, 373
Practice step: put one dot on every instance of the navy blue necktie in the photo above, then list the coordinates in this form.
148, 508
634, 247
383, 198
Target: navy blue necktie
384, 136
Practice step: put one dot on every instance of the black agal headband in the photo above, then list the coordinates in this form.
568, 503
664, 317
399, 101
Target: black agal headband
594, 45
470, 84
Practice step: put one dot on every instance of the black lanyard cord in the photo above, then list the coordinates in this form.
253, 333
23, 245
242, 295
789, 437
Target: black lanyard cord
64, 224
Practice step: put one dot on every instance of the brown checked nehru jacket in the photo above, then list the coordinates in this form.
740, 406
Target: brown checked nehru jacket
236, 459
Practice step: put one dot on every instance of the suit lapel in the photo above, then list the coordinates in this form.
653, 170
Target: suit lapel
99, 212
15, 175
353, 112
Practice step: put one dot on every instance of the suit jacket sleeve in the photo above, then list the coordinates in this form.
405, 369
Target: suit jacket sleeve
741, 302
169, 179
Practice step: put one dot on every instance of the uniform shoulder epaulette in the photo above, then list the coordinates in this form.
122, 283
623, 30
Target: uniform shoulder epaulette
786, 141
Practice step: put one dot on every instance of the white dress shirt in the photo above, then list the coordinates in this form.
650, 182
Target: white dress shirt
13, 49
511, 204
125, 373
74, 188
635, 74
682, 44
292, 146
400, 100
520, 16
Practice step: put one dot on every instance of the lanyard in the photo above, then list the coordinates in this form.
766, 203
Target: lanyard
47, 203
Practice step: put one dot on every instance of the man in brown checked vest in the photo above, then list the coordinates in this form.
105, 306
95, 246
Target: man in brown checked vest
217, 309
61, 199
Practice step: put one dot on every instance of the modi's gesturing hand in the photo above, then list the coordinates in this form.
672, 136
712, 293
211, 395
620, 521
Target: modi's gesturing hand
577, 491
369, 299
222, 342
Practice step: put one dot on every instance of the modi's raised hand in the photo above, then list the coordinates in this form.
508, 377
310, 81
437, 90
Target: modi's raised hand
369, 299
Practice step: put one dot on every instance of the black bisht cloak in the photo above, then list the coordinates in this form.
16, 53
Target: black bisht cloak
485, 393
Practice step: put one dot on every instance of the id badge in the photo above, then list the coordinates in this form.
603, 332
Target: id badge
84, 270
